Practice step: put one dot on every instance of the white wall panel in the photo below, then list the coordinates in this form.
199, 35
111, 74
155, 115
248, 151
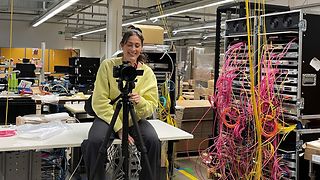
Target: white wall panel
25, 35
87, 48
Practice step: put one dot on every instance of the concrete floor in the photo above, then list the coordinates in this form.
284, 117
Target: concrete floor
192, 168
187, 168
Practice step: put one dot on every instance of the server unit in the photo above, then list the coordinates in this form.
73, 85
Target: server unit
33, 165
83, 72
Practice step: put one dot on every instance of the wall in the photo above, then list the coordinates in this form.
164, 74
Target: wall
53, 57
25, 36
87, 48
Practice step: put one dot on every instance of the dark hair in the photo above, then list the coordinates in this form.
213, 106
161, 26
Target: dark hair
138, 32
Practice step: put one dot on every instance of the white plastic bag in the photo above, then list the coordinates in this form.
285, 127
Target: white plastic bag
50, 99
56, 116
41, 131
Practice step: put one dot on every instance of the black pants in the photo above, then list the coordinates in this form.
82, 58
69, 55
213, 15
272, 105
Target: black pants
96, 136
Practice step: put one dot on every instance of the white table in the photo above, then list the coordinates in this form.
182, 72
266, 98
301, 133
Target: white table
62, 100
75, 108
78, 132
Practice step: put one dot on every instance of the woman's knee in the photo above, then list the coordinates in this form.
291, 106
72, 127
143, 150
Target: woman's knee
94, 142
152, 140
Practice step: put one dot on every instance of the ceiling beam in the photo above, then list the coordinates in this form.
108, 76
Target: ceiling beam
78, 10
52, 11
91, 4
305, 6
173, 10
199, 14
86, 13
135, 8
82, 19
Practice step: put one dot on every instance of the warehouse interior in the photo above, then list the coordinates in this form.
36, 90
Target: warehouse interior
236, 86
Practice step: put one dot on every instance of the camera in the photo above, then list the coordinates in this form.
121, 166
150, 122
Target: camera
126, 72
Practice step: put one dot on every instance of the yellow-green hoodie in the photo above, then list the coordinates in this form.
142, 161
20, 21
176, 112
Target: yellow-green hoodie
106, 89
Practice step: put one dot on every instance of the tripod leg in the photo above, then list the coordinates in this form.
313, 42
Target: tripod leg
139, 136
125, 145
103, 147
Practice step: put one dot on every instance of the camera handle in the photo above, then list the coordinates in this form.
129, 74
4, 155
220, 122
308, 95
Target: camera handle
127, 106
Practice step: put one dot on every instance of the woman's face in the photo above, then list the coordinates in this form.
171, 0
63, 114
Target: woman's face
132, 49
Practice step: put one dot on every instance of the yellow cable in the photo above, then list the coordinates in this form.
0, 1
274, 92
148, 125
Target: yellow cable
164, 22
258, 164
9, 63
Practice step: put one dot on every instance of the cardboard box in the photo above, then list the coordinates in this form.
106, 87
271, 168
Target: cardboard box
191, 145
188, 114
151, 34
312, 148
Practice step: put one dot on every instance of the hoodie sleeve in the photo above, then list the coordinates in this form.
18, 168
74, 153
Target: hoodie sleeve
101, 95
149, 96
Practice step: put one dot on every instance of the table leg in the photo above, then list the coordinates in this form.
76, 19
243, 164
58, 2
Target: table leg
311, 172
170, 159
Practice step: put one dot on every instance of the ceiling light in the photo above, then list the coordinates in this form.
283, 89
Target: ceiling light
154, 20
194, 28
90, 32
208, 36
134, 22
193, 9
52, 12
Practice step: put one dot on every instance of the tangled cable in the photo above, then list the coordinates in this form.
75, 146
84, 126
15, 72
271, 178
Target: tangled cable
234, 153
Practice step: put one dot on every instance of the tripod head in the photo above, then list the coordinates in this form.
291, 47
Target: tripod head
125, 72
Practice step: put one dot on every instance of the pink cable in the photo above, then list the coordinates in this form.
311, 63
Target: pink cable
7, 133
234, 148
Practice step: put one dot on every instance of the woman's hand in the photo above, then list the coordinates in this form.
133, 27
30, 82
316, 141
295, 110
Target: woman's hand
130, 139
134, 98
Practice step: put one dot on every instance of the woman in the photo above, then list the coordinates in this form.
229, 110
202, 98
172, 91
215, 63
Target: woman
144, 98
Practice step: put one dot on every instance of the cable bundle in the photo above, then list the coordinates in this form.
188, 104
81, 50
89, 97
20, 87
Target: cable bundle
236, 152
164, 103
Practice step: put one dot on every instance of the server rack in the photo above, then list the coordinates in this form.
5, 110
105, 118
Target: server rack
83, 72
298, 83
163, 64
302, 82
298, 69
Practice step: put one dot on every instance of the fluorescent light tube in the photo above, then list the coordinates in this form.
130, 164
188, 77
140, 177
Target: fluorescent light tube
196, 28
52, 12
90, 32
134, 22
193, 9
192, 29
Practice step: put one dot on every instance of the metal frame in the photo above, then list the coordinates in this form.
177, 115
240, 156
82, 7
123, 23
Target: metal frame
299, 144
298, 107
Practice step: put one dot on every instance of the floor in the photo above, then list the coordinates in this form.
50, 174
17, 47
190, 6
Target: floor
187, 168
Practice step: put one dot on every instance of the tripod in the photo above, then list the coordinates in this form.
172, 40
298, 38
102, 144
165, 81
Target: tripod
127, 106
